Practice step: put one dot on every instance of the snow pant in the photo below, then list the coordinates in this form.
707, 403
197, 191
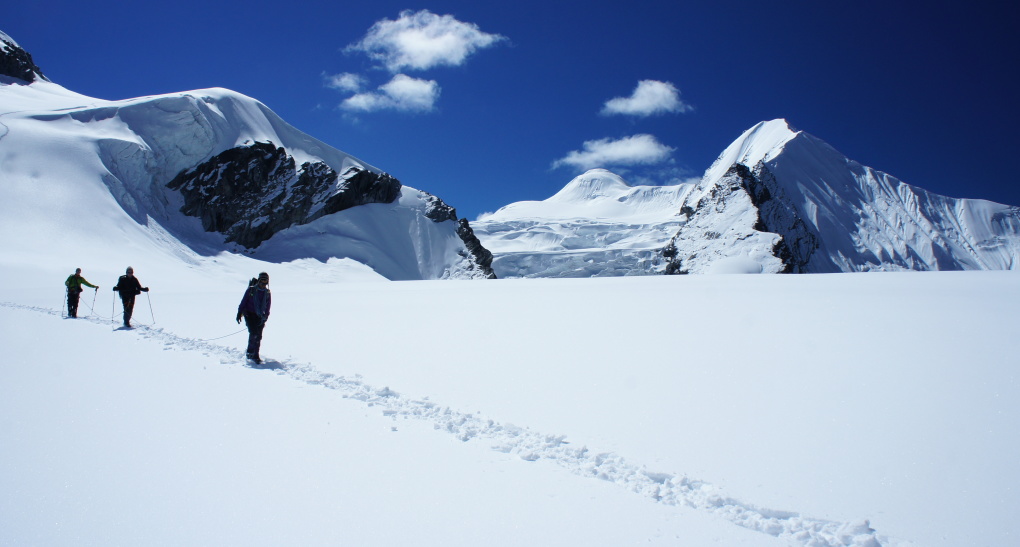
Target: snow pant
129, 306
72, 302
255, 325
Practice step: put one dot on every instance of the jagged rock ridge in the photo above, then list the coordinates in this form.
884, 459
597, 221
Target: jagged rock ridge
745, 206
437, 210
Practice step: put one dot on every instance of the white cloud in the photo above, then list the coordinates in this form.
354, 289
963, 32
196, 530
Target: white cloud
422, 40
402, 93
633, 150
649, 97
351, 83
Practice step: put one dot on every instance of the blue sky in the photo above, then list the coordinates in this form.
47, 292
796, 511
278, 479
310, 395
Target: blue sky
484, 104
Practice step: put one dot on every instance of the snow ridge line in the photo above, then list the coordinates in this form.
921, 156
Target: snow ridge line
666, 488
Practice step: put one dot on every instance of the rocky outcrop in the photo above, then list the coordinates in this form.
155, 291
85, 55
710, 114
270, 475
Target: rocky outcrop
437, 210
17, 63
776, 214
249, 193
743, 219
482, 256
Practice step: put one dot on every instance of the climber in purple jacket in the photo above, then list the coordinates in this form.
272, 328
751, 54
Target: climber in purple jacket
254, 308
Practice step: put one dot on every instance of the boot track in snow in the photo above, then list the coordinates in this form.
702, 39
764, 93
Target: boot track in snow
665, 488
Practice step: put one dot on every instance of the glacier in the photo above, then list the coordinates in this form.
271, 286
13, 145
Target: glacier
596, 226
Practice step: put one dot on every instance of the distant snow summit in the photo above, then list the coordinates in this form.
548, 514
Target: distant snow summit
777, 200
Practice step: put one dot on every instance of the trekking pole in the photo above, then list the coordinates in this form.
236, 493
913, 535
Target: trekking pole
150, 307
92, 308
64, 305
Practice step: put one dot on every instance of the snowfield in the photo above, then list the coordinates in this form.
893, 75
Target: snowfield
844, 409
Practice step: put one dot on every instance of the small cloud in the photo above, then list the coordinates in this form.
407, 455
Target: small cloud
649, 97
634, 150
422, 40
347, 82
402, 93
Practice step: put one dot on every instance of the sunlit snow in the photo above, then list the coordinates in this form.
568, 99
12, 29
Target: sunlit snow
841, 409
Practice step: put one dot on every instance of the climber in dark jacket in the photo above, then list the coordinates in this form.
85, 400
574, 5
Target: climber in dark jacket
254, 308
128, 286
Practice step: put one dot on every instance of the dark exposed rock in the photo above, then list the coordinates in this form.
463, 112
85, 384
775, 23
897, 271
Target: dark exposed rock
438, 211
674, 263
17, 63
482, 256
775, 214
249, 193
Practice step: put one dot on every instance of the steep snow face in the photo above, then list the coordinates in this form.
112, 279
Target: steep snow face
56, 141
597, 225
826, 213
870, 220
399, 240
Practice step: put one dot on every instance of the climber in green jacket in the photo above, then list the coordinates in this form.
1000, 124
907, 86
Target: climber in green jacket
73, 284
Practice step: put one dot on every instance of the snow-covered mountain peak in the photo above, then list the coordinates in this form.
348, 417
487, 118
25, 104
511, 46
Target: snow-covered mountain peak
593, 184
212, 170
596, 225
827, 213
760, 143
598, 194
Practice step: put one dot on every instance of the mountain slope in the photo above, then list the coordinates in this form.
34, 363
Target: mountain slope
218, 171
780, 200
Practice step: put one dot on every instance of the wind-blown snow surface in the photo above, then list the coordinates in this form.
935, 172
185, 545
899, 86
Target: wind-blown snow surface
596, 226
665, 410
